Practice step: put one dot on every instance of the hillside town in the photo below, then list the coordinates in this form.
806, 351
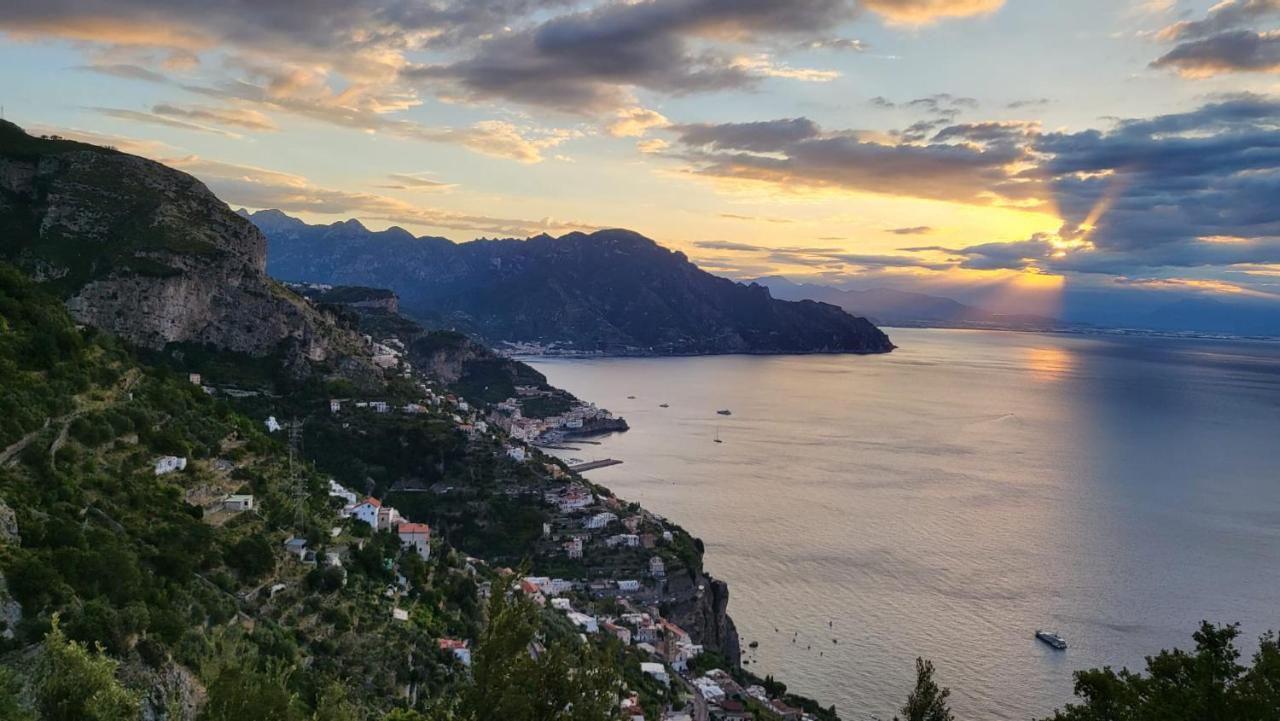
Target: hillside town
619, 564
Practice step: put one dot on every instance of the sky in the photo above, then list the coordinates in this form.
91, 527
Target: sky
1063, 158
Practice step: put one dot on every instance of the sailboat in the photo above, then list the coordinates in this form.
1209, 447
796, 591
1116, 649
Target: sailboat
718, 435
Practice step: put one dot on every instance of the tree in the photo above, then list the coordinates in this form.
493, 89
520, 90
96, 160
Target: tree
1208, 684
10, 690
333, 705
927, 701
73, 683
565, 681
242, 686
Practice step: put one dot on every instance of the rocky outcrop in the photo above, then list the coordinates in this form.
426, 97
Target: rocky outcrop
148, 253
10, 609
170, 693
703, 611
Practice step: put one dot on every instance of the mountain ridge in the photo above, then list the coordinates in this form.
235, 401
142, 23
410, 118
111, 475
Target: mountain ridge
611, 291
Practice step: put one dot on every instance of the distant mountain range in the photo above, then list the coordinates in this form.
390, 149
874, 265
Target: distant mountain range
611, 291
896, 307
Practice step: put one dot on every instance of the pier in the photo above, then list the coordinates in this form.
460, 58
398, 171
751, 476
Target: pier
592, 465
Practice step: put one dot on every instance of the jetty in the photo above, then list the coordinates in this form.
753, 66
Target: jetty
592, 465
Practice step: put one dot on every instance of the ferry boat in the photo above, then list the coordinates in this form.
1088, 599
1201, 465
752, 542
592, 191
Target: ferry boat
1053, 639
725, 412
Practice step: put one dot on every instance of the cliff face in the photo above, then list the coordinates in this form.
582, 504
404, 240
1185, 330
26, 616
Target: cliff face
703, 612
147, 252
613, 291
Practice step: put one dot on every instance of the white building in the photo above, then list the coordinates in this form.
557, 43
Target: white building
272, 424
627, 540
335, 405
367, 511
657, 568
583, 621
628, 585
574, 548
417, 536
337, 490
600, 520
388, 518
561, 604
517, 454
194, 378
657, 671
169, 464
379, 406
238, 502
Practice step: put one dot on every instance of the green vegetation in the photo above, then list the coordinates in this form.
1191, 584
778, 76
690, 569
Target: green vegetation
124, 575
567, 681
72, 683
927, 701
1206, 684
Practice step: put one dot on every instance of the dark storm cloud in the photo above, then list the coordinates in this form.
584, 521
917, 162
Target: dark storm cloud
587, 61
1230, 52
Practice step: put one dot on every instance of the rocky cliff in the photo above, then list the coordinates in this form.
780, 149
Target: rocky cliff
703, 611
613, 291
148, 253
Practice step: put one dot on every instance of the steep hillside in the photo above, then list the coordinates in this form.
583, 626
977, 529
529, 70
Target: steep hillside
612, 291
148, 253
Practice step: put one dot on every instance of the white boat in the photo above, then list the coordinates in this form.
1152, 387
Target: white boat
1053, 639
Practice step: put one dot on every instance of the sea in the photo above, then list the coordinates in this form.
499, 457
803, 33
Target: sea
948, 499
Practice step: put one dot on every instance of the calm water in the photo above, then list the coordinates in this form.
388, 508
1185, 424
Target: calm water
949, 498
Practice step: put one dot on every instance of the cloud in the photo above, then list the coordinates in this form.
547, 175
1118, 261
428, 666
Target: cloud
1225, 15
126, 70
139, 116
919, 12
409, 181
1155, 192
829, 258
728, 245
913, 230
652, 145
762, 65
364, 39
834, 44
797, 154
590, 61
1230, 52
256, 187
635, 122
1027, 103
755, 218
238, 117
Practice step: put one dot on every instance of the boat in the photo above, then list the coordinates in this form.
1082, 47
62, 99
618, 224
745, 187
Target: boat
725, 412
631, 398
663, 405
1053, 639
754, 644
718, 435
